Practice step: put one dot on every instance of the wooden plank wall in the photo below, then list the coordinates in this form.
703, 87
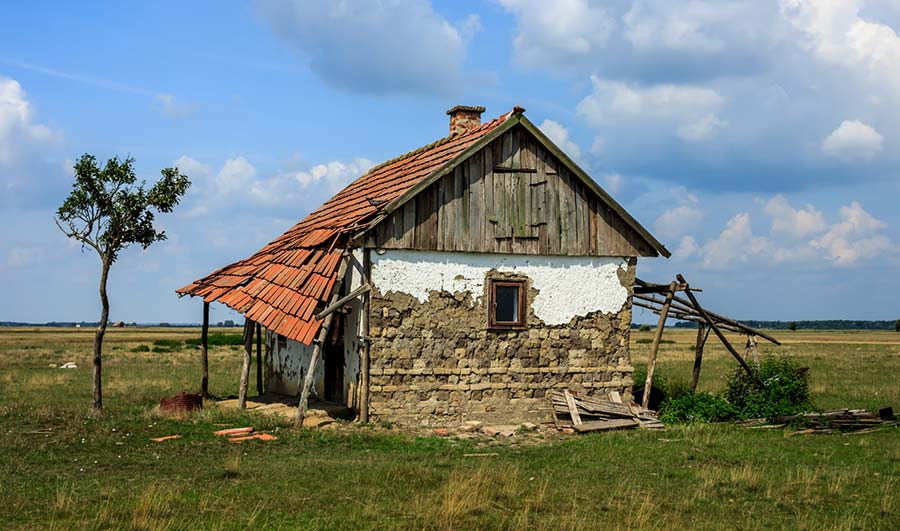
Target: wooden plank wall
486, 206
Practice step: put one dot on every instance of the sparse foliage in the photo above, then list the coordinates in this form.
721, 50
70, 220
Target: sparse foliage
107, 211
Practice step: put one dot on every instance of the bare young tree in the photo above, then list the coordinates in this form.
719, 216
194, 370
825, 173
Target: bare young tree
107, 212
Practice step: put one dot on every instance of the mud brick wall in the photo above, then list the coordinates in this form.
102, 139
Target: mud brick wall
437, 364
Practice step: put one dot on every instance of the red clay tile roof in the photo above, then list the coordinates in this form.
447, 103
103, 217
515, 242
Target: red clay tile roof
283, 284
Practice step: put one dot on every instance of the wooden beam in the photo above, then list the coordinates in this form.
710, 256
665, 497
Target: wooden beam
715, 329
343, 300
317, 345
573, 408
245, 368
651, 365
204, 352
364, 347
259, 378
698, 355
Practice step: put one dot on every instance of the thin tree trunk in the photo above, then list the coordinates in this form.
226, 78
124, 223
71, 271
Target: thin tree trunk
98, 340
245, 368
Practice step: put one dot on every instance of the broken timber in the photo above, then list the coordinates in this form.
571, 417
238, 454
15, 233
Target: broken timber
586, 414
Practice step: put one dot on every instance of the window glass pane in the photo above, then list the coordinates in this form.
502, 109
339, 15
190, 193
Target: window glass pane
507, 300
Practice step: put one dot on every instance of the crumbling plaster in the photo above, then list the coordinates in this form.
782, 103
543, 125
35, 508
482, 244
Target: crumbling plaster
567, 286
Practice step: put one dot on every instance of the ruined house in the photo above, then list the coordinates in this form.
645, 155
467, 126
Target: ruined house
462, 280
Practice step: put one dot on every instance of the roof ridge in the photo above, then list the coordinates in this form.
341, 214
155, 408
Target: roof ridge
435, 144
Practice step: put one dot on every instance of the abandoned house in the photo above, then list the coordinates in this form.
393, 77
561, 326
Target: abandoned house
462, 280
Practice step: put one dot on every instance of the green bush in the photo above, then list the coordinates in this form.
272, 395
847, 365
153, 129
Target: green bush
647, 341
785, 390
644, 328
140, 348
172, 344
697, 407
218, 340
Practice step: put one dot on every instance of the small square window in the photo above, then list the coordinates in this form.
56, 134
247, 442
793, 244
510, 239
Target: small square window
507, 305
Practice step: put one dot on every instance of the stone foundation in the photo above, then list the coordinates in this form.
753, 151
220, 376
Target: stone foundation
436, 364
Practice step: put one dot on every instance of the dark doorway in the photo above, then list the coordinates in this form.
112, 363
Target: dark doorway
334, 361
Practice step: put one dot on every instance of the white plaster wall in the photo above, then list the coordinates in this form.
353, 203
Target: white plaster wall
289, 365
568, 286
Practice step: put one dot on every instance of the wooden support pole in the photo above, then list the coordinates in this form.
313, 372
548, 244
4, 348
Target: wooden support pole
364, 350
204, 352
661, 325
702, 334
245, 368
715, 329
317, 347
259, 378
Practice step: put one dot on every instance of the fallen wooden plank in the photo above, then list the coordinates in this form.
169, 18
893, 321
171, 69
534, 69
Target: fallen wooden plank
573, 409
603, 425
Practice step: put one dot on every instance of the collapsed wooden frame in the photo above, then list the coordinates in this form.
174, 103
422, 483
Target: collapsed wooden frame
647, 295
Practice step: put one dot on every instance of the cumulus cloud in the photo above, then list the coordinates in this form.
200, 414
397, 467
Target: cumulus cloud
797, 236
682, 218
854, 237
24, 143
558, 33
686, 109
401, 46
559, 134
853, 140
238, 181
791, 222
325, 179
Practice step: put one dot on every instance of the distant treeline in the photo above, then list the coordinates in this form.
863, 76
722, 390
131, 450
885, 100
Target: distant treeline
85, 324
837, 324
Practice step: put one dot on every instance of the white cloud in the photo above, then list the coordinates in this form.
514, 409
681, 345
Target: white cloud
191, 167
558, 33
853, 140
28, 172
735, 244
683, 26
687, 109
837, 33
400, 46
791, 222
797, 236
854, 237
20, 136
558, 133
678, 220
236, 174
23, 256
324, 179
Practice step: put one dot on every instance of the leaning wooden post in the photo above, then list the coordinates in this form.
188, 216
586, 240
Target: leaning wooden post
698, 356
651, 365
317, 347
245, 369
204, 352
364, 352
715, 329
259, 386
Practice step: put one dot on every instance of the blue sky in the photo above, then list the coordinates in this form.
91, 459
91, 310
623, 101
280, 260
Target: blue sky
759, 140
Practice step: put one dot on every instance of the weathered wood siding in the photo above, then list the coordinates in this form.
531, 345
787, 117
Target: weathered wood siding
513, 196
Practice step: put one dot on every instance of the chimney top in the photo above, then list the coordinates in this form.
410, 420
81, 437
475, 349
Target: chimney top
464, 118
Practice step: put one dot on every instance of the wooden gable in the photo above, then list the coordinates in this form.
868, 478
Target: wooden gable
514, 195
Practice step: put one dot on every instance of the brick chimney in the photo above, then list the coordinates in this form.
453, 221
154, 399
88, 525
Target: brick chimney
464, 118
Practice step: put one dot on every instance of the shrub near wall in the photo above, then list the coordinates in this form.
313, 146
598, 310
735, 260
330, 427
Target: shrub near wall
785, 391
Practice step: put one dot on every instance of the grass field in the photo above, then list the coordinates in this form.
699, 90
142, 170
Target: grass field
60, 470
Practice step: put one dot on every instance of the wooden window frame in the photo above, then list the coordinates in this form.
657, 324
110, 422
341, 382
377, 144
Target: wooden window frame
519, 324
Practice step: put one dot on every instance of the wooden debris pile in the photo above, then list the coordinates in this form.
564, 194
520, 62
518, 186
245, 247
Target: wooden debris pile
835, 420
586, 414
